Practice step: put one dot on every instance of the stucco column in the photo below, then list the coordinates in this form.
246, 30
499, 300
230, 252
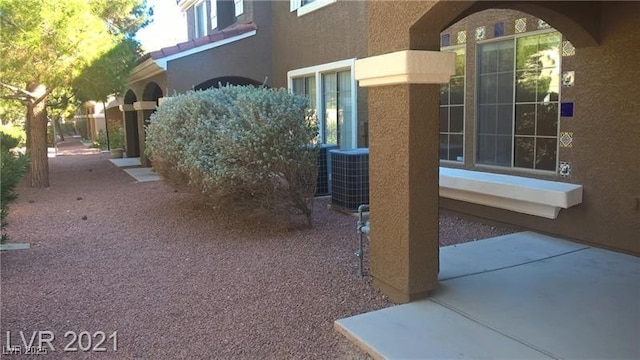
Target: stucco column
403, 168
144, 109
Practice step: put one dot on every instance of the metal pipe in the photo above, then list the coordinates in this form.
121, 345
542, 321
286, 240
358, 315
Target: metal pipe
363, 228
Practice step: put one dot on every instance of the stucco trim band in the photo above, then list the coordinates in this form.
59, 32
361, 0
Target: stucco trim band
144, 105
525, 195
406, 67
127, 107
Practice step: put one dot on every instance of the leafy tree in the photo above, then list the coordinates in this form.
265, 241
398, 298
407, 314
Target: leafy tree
62, 104
107, 75
46, 45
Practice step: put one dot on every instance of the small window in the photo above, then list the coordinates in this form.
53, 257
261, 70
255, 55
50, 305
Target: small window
200, 14
306, 6
239, 7
332, 96
214, 14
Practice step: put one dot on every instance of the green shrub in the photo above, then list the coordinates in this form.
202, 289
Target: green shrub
244, 147
116, 137
14, 134
12, 169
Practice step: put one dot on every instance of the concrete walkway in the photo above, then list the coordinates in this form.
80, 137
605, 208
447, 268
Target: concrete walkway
126, 162
521, 295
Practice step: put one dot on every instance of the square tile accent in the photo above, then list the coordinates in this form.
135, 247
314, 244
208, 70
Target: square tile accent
566, 109
481, 32
445, 40
462, 37
498, 29
568, 78
568, 49
543, 25
521, 25
566, 139
564, 169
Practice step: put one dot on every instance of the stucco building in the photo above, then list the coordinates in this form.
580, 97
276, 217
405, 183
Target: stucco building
526, 113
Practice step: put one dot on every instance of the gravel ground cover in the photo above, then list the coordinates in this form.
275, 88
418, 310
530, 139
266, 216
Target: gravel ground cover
173, 278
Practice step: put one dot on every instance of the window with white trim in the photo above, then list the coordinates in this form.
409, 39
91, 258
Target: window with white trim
200, 19
518, 102
306, 6
239, 7
332, 95
214, 14
452, 110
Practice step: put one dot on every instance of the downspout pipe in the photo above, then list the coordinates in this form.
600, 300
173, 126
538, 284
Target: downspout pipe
363, 228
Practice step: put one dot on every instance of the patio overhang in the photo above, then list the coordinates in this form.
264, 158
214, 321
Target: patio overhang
145, 70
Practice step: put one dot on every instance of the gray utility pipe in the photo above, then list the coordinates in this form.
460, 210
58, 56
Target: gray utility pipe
363, 229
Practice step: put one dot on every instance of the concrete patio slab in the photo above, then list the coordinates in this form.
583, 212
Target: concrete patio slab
143, 174
426, 329
126, 162
562, 300
500, 252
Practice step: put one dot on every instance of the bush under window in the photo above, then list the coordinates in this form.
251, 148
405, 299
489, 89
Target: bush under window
244, 147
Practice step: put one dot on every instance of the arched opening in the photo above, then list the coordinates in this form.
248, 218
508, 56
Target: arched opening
410, 112
579, 22
226, 80
132, 139
152, 92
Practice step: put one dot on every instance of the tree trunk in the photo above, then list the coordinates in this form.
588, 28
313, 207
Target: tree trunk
37, 138
56, 123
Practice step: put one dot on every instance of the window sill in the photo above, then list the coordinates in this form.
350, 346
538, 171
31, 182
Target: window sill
311, 7
516, 193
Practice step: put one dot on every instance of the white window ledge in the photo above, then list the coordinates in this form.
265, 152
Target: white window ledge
516, 193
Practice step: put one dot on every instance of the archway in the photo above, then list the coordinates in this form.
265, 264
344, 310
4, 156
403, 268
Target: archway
404, 128
150, 96
152, 92
579, 22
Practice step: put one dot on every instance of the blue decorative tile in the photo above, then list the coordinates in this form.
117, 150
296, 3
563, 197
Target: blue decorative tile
566, 109
445, 40
498, 29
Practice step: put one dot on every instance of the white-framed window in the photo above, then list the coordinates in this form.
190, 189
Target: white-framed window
452, 106
214, 14
332, 93
200, 19
239, 7
306, 6
518, 86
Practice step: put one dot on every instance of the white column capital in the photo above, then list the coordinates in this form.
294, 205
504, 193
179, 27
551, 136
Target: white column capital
406, 67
